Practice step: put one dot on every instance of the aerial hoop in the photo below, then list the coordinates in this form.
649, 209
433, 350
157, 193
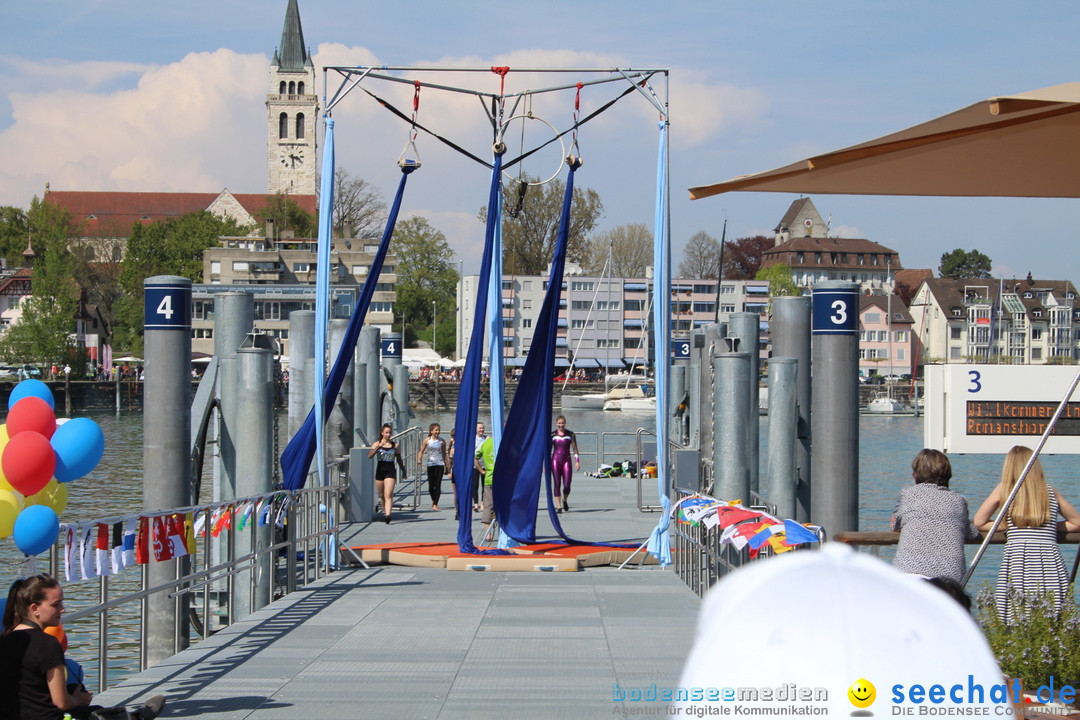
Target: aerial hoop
525, 117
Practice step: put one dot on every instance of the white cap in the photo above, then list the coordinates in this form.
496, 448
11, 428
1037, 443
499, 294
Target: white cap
816, 622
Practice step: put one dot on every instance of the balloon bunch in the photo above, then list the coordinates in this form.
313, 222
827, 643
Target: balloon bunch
39, 456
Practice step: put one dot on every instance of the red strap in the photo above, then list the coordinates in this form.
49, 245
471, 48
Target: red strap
501, 71
416, 96
577, 98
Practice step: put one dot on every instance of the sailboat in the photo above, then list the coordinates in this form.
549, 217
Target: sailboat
884, 402
594, 401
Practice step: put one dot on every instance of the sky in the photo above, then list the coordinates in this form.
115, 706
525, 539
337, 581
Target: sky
148, 96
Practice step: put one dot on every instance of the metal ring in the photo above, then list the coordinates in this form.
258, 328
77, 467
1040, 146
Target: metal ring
562, 146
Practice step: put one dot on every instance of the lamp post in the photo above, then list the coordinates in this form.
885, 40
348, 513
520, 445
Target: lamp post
433, 345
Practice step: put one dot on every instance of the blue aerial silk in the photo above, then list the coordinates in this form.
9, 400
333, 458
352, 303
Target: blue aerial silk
296, 459
469, 391
659, 543
322, 287
496, 379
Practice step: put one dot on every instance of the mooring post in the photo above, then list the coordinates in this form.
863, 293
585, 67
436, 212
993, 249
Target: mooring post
791, 338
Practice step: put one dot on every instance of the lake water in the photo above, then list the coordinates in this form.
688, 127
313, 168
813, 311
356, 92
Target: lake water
887, 446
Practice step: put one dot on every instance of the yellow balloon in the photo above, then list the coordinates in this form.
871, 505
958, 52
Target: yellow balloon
9, 510
4, 484
54, 496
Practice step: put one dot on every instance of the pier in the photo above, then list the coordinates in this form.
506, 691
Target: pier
408, 642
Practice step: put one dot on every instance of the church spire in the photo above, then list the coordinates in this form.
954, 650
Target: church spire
291, 53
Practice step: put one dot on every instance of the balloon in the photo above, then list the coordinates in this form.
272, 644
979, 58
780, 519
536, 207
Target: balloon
9, 510
32, 414
54, 495
28, 462
4, 484
31, 388
79, 445
57, 631
36, 529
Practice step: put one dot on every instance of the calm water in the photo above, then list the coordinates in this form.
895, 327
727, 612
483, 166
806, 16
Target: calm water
887, 446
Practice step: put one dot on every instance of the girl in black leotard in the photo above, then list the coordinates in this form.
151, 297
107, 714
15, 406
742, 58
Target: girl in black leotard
386, 452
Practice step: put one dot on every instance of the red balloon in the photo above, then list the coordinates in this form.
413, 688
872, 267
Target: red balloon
31, 414
28, 462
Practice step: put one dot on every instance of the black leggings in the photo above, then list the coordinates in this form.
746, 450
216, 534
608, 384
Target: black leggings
434, 482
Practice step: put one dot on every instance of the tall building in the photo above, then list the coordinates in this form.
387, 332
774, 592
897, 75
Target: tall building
292, 107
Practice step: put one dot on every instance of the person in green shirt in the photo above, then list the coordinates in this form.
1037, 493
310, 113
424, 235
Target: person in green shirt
484, 461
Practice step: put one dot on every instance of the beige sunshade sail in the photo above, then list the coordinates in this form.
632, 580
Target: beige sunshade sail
1025, 145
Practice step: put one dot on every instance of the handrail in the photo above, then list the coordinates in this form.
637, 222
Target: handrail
310, 518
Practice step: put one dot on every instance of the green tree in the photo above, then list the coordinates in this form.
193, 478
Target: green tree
781, 282
967, 264
529, 231
425, 276
44, 333
701, 257
13, 234
288, 215
174, 247
631, 251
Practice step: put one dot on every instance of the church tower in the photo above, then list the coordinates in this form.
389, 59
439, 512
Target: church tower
292, 107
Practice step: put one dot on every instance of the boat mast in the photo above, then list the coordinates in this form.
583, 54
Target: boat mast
607, 333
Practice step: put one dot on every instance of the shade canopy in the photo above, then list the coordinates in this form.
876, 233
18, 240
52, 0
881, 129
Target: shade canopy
1025, 145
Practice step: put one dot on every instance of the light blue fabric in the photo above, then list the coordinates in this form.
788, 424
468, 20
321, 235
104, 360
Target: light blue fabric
659, 542
322, 290
496, 381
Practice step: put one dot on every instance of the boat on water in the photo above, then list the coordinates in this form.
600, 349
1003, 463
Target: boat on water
629, 398
588, 401
885, 403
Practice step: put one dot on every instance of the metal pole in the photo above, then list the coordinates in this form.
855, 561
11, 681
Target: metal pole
834, 495
747, 326
791, 338
255, 452
339, 430
781, 473
166, 436
732, 476
301, 349
369, 353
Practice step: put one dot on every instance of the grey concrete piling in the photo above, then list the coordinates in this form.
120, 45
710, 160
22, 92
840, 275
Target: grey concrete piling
781, 472
791, 338
339, 429
301, 349
166, 445
747, 327
732, 476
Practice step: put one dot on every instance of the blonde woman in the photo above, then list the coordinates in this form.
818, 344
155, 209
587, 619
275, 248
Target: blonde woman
1032, 561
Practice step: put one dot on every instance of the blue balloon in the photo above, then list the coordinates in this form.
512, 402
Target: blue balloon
79, 445
36, 529
31, 388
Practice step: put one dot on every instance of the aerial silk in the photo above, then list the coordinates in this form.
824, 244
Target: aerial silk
496, 379
469, 391
296, 459
659, 544
523, 455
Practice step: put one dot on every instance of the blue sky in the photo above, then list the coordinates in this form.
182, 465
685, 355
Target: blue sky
135, 95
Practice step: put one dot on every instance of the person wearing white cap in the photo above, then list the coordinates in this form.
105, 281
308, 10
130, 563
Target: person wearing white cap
835, 633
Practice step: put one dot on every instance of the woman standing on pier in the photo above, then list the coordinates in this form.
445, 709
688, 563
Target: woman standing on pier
387, 452
1031, 562
933, 521
433, 449
32, 671
562, 442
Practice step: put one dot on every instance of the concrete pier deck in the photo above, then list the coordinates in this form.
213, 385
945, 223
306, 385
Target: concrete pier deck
404, 642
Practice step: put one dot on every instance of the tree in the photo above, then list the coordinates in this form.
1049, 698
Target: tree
43, 334
742, 257
968, 264
529, 232
287, 215
701, 258
174, 247
13, 234
426, 275
781, 282
631, 251
358, 204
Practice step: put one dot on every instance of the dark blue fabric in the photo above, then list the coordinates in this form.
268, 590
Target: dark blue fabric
525, 452
469, 391
296, 459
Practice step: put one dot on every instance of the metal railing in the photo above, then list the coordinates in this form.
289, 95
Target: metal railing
302, 548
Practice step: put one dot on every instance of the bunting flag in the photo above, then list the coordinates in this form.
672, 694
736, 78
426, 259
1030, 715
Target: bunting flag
130, 532
222, 520
142, 541
263, 512
87, 541
160, 537
71, 554
796, 534
102, 549
177, 535
245, 515
200, 525
116, 551
729, 515
765, 531
189, 532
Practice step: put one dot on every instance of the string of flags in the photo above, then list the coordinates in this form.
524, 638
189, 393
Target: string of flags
93, 549
744, 527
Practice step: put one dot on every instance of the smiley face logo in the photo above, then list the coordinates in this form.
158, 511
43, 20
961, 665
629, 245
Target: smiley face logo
862, 693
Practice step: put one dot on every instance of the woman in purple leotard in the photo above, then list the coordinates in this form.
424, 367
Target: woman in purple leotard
562, 443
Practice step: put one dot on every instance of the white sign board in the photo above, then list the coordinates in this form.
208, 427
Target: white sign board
989, 408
